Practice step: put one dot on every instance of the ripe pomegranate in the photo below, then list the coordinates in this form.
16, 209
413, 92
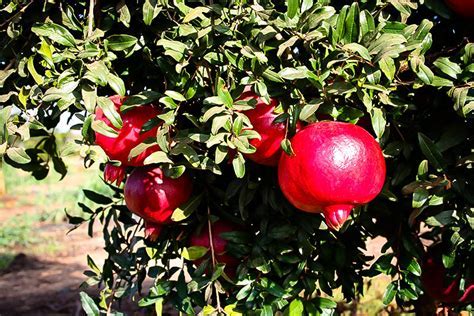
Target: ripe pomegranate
464, 8
219, 243
262, 117
152, 230
335, 167
129, 136
438, 286
153, 196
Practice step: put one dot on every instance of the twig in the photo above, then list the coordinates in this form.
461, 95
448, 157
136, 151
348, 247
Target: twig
90, 18
213, 255
10, 64
22, 10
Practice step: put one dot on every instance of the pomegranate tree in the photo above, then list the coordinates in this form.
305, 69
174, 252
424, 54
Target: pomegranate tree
335, 167
129, 136
202, 79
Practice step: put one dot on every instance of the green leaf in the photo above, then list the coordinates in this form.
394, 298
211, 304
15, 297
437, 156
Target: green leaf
119, 42
420, 196
286, 146
324, 303
296, 308
448, 67
183, 212
293, 6
431, 152
378, 122
157, 157
150, 11
195, 13
175, 95
441, 219
97, 197
194, 252
310, 108
88, 305
414, 267
31, 68
390, 293
18, 155
124, 13
175, 49
110, 112
54, 32
361, 50
352, 24
448, 259
238, 163
387, 65
102, 128
224, 94
294, 73
116, 83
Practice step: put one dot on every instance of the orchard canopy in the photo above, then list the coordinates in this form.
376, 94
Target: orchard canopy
181, 101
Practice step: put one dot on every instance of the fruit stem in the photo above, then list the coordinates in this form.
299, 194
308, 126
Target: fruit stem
336, 215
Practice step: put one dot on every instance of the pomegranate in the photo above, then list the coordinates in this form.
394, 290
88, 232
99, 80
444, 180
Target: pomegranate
152, 230
153, 196
129, 136
262, 117
219, 244
463, 8
335, 167
438, 286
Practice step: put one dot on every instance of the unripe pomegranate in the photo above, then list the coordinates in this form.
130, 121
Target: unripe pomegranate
335, 167
438, 286
129, 137
464, 8
153, 196
262, 116
219, 244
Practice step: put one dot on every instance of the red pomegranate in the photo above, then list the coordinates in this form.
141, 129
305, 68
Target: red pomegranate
262, 117
219, 243
438, 286
335, 167
129, 137
464, 8
153, 196
152, 230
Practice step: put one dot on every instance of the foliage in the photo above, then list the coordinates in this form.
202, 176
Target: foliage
407, 67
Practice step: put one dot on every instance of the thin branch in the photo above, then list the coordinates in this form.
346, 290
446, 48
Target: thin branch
22, 10
90, 18
213, 256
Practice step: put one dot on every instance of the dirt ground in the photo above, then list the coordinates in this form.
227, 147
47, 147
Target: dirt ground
49, 284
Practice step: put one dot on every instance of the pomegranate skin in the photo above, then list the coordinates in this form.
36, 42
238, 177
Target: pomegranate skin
153, 196
438, 287
129, 137
268, 149
335, 167
464, 8
219, 243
